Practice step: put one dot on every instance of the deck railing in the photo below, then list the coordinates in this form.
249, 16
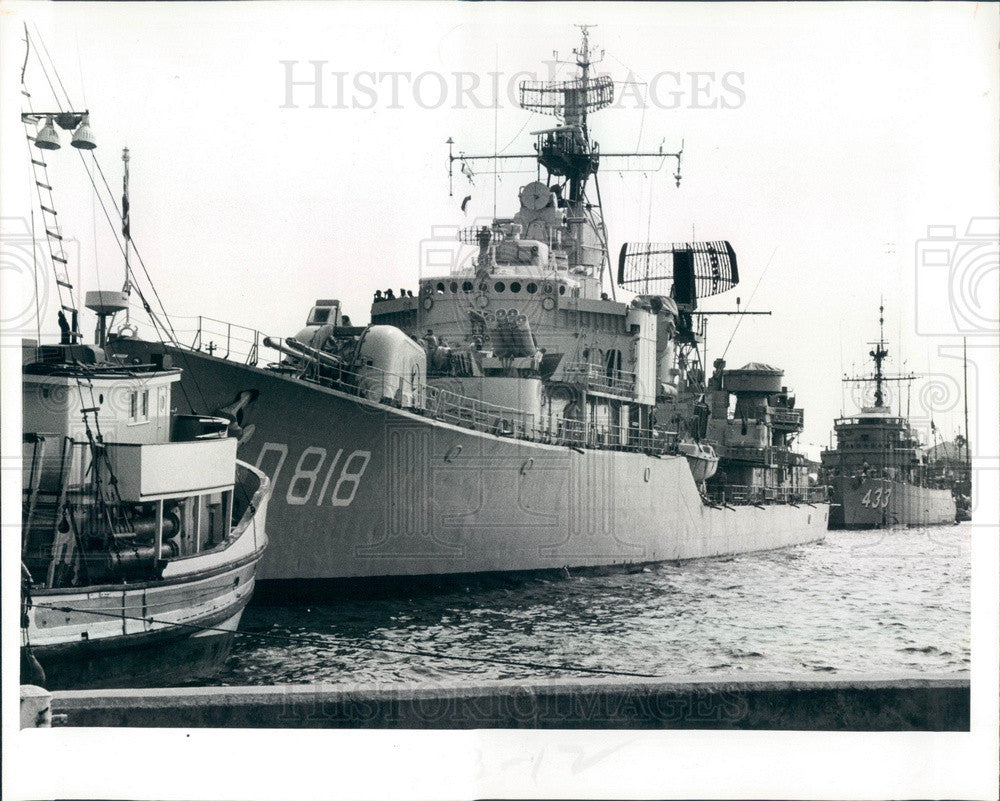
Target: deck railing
743, 495
246, 345
786, 417
596, 378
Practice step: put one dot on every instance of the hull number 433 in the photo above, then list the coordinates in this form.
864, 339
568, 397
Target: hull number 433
876, 498
310, 481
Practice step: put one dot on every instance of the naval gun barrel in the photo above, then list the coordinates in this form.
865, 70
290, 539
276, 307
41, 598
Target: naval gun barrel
297, 350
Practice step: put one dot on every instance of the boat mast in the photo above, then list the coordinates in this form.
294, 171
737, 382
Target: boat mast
965, 398
126, 229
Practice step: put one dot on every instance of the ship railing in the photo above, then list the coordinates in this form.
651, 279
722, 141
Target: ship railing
246, 345
746, 495
451, 407
220, 338
596, 378
786, 417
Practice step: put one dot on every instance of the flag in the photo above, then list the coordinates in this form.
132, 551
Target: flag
126, 232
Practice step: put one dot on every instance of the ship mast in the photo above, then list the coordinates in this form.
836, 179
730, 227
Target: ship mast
568, 154
879, 355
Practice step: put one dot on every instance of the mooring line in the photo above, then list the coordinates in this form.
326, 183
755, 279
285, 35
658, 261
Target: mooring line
375, 648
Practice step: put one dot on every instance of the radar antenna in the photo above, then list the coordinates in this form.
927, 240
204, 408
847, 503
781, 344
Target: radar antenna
568, 154
685, 271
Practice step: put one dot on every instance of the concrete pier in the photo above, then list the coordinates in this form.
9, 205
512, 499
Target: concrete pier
840, 703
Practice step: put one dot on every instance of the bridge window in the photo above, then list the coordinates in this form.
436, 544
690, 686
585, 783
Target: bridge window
562, 289
454, 286
467, 286
440, 287
499, 286
515, 286
532, 288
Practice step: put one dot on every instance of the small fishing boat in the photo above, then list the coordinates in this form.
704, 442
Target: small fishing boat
141, 530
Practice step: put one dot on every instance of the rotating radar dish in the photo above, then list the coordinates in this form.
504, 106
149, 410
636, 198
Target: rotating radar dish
535, 196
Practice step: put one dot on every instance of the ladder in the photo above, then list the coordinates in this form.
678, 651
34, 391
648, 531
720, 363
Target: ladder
50, 222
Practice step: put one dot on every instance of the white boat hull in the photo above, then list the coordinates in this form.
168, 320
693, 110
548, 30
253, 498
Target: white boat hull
165, 631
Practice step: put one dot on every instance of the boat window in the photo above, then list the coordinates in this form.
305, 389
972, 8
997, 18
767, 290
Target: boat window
499, 286
440, 287
532, 288
138, 406
515, 286
562, 289
467, 286
454, 286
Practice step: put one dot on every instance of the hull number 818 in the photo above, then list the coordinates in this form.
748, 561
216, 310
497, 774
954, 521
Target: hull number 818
336, 485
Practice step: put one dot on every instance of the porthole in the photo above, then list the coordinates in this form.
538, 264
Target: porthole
499, 286
467, 286
440, 287
532, 288
454, 286
483, 287
562, 289
515, 286
548, 288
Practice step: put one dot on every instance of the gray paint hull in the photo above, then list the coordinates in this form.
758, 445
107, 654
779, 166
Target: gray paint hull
367, 490
881, 503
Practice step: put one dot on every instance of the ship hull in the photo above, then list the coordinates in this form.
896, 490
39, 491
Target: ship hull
363, 489
859, 503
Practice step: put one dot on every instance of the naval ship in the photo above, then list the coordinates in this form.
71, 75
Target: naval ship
507, 414
878, 472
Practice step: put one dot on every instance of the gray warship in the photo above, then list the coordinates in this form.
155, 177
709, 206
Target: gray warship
508, 414
878, 472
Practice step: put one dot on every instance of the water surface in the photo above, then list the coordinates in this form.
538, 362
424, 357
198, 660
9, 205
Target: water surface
860, 602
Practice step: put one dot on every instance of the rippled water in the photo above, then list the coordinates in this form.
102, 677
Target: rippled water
861, 602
